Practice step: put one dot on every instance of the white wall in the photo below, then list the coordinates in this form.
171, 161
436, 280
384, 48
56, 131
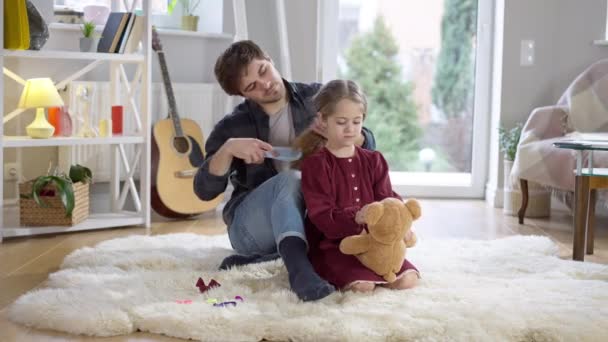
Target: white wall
301, 17
302, 29
563, 31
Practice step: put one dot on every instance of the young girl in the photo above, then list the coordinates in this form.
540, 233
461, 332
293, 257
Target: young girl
338, 179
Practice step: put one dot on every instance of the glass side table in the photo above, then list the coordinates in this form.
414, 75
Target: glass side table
588, 181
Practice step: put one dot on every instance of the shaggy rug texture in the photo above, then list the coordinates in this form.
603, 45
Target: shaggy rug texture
514, 288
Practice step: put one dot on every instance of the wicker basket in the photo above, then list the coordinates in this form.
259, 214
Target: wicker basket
31, 214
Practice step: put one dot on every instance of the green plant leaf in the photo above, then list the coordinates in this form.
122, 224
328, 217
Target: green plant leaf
171, 6
64, 189
79, 173
88, 28
509, 140
66, 193
37, 187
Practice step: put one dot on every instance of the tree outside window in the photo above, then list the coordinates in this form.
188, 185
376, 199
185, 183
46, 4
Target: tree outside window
418, 75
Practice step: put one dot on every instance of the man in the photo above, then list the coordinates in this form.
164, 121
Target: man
265, 215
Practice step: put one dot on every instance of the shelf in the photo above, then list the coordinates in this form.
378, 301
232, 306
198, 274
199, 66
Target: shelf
209, 35
160, 30
25, 141
600, 42
62, 55
95, 221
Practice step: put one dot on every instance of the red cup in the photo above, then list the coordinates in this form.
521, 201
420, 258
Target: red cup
116, 119
55, 119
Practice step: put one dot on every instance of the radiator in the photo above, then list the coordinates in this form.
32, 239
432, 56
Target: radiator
204, 103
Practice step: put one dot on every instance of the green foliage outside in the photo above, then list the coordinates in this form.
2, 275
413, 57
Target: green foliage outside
372, 62
453, 85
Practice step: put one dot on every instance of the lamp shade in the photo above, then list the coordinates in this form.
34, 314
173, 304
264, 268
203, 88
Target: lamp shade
39, 92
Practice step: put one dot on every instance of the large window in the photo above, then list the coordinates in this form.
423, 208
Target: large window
417, 62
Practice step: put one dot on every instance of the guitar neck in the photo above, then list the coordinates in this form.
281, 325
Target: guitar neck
170, 96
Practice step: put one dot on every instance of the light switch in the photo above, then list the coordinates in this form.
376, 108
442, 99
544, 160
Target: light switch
526, 57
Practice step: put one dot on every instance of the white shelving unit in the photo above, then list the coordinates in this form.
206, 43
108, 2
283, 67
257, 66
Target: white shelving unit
25, 141
120, 165
65, 55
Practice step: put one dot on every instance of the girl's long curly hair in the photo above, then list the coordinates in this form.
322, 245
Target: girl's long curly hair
324, 102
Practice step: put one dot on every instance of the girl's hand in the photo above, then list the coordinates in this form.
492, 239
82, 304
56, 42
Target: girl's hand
360, 217
410, 238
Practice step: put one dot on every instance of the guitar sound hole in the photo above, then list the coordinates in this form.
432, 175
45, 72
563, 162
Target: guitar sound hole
181, 144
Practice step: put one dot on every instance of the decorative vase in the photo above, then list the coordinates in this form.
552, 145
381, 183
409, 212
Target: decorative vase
97, 14
166, 21
39, 31
54, 119
539, 199
190, 23
86, 44
40, 128
66, 122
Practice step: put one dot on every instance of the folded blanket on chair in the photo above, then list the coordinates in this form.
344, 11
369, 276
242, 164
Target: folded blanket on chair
582, 108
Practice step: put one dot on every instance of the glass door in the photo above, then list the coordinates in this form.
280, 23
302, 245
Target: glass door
425, 67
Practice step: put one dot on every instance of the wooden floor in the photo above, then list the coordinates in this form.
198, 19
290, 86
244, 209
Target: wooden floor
25, 263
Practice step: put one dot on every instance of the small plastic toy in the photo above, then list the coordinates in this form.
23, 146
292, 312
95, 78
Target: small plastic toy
203, 288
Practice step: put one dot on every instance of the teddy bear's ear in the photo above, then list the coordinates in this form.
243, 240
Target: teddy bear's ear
414, 207
373, 212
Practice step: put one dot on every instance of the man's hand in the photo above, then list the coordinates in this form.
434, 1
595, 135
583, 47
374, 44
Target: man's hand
250, 150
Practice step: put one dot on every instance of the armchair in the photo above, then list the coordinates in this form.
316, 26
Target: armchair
583, 108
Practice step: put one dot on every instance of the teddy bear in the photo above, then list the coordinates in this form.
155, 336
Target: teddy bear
382, 247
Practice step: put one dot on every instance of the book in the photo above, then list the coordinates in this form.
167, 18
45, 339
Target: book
112, 31
120, 32
135, 35
125, 34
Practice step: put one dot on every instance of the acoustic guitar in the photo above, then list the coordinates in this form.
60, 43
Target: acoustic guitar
177, 152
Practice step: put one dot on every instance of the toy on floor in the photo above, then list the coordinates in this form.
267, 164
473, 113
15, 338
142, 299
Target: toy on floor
213, 301
382, 250
203, 288
224, 304
216, 303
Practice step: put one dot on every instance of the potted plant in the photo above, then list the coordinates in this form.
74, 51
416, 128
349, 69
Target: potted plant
56, 198
539, 198
189, 20
88, 37
508, 141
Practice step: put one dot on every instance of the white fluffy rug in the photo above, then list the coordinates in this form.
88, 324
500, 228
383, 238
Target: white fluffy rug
508, 289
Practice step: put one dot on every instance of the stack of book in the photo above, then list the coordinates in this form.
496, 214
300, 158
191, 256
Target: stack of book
122, 33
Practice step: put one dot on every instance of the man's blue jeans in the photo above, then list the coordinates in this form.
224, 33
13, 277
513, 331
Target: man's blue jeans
271, 212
